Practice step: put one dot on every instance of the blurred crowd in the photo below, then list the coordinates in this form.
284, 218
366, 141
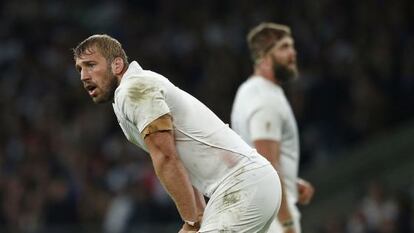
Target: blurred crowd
378, 209
64, 161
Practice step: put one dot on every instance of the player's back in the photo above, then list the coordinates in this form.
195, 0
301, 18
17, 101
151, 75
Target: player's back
208, 148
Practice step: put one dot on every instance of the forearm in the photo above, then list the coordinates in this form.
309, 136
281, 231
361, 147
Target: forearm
284, 211
200, 203
284, 215
175, 180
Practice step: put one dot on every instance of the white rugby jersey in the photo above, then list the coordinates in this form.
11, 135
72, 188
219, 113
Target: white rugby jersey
208, 148
261, 111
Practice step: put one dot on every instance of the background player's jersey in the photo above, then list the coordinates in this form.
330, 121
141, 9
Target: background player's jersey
208, 148
261, 111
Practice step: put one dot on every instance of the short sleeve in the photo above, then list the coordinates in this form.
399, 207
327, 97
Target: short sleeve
266, 123
144, 103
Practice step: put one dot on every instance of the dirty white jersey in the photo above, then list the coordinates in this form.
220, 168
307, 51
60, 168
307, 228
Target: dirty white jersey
261, 111
208, 148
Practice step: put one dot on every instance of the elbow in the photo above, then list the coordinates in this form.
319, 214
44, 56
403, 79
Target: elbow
161, 160
168, 158
165, 163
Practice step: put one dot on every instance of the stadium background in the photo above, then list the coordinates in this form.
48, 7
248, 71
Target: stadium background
66, 167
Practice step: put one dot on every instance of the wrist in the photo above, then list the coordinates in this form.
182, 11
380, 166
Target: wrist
191, 225
287, 224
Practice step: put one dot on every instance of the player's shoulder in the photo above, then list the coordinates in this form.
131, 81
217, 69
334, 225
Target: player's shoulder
258, 88
142, 81
136, 89
248, 88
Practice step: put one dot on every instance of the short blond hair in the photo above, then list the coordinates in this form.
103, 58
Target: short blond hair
263, 37
109, 47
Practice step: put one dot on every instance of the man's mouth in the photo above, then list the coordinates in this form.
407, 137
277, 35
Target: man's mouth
292, 64
91, 89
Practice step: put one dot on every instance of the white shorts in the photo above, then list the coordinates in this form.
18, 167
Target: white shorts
246, 202
276, 227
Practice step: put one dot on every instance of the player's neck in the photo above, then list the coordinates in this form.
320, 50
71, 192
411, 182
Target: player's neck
267, 74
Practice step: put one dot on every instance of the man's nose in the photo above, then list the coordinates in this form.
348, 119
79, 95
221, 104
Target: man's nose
84, 75
293, 52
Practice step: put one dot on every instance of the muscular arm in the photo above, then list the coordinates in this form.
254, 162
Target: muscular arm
271, 151
171, 172
200, 203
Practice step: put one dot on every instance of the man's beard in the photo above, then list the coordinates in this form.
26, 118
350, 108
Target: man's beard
283, 73
109, 88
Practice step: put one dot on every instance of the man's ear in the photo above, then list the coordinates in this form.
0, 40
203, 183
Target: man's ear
117, 66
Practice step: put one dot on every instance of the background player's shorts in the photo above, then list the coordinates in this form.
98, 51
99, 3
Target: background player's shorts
246, 202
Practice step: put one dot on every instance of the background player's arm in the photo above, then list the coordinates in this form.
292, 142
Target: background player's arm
270, 149
171, 172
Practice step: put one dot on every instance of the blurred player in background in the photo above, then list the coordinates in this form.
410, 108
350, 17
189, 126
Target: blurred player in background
193, 152
263, 117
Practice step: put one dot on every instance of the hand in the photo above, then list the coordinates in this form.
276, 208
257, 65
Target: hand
305, 190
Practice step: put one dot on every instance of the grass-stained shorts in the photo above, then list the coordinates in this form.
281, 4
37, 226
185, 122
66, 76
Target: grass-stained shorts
246, 202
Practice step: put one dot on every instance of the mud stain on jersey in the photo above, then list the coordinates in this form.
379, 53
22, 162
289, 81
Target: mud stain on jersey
141, 92
231, 198
268, 124
226, 231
